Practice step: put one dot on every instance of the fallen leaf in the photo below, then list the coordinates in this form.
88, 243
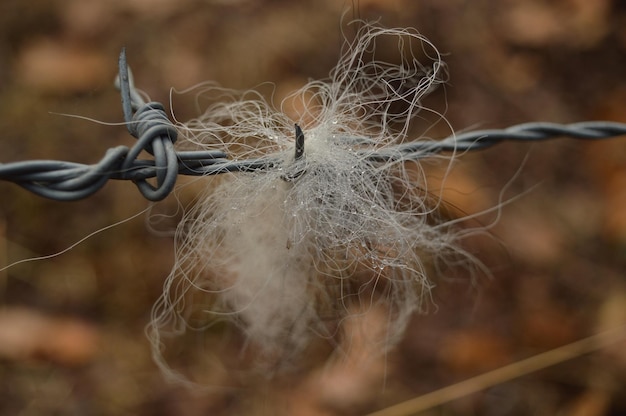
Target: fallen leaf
26, 334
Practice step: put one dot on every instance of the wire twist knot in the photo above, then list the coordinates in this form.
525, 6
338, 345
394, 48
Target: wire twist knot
156, 135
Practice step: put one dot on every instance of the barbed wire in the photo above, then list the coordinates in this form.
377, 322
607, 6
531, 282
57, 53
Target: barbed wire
156, 134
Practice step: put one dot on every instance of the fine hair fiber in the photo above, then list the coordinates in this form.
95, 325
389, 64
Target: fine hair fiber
297, 254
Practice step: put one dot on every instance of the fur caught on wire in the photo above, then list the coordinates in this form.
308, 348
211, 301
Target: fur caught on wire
318, 224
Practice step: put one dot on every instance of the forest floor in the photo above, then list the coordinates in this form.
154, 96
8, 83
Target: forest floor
72, 338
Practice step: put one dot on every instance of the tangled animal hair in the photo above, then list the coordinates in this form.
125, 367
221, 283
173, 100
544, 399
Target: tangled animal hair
288, 255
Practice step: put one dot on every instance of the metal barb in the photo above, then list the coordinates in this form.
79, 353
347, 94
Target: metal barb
299, 143
123, 83
296, 170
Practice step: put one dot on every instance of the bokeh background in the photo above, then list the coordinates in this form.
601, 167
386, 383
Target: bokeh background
72, 327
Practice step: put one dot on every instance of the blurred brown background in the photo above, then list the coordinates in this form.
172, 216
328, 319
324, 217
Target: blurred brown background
71, 327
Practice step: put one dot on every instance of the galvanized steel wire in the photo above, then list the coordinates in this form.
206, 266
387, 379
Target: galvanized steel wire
155, 134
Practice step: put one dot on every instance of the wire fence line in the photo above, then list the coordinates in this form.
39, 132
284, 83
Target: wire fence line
155, 134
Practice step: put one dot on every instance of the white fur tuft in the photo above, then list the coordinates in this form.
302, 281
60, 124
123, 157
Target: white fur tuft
288, 255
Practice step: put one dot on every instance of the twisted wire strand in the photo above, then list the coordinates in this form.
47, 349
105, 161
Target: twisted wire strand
155, 134
481, 139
